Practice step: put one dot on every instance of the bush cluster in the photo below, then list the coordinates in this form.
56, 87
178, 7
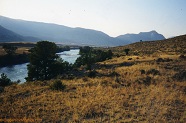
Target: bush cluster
90, 56
57, 85
146, 81
180, 76
153, 72
92, 74
163, 60
4, 80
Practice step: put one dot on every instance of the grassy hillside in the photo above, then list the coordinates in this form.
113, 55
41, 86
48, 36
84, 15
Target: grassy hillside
170, 46
148, 85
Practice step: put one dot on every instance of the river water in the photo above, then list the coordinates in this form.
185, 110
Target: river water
19, 72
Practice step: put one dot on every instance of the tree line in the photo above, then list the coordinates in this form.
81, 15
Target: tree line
11, 58
90, 56
45, 64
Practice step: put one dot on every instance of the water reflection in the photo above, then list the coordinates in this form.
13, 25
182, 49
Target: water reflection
69, 56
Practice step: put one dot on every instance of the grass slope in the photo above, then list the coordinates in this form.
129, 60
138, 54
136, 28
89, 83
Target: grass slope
140, 87
174, 45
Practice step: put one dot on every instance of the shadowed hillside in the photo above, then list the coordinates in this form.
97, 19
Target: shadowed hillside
10, 36
7, 35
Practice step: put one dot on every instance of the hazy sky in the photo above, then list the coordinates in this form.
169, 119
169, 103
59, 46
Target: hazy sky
114, 17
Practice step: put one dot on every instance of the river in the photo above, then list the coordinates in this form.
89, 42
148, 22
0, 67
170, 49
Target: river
19, 72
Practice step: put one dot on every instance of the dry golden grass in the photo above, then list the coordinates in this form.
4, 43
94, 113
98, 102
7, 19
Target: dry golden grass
163, 102
121, 92
100, 99
22, 50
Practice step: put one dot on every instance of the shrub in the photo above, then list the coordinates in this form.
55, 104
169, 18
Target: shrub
92, 74
126, 51
167, 60
153, 72
57, 85
114, 73
159, 60
180, 76
147, 80
163, 60
182, 57
142, 71
1, 89
9, 49
4, 80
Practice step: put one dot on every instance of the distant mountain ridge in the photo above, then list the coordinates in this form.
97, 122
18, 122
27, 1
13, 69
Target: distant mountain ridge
9, 36
57, 33
67, 35
142, 36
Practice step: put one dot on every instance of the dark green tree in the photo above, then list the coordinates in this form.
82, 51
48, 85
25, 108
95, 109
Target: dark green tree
90, 56
89, 60
85, 49
43, 62
4, 80
126, 51
86, 58
9, 49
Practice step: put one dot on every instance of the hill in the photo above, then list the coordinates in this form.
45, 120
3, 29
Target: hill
10, 36
66, 35
143, 36
7, 35
140, 87
57, 33
171, 45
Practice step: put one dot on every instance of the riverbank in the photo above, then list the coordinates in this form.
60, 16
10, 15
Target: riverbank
7, 60
21, 55
19, 71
